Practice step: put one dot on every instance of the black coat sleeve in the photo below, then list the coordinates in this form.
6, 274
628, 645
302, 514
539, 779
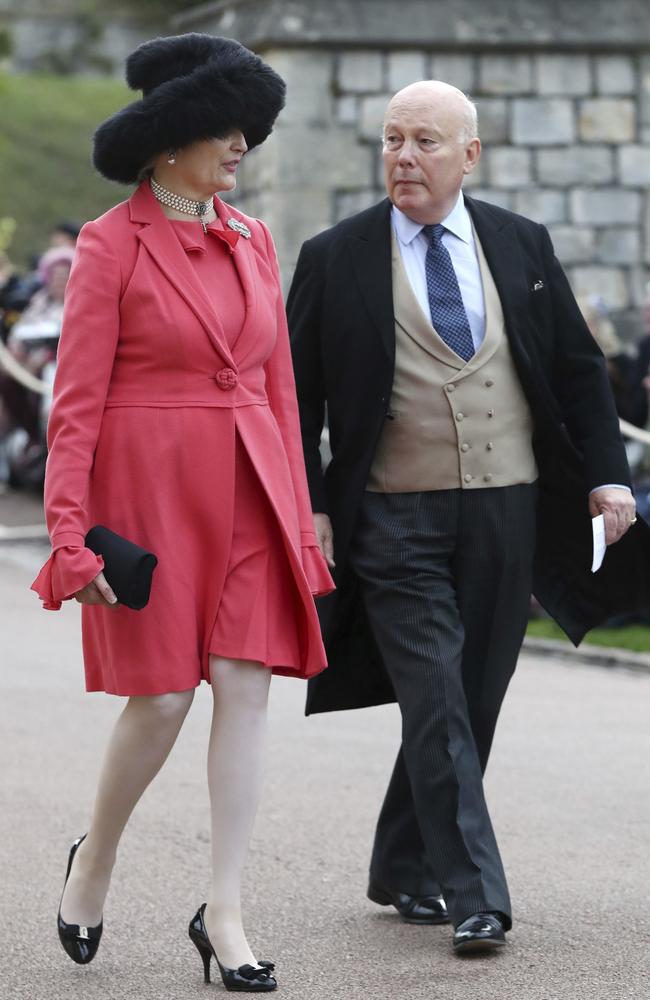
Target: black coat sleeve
304, 313
581, 384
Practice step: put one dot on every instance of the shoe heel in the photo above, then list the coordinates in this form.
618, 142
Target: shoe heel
206, 955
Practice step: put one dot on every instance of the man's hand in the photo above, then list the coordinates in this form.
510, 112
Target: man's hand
325, 536
618, 508
97, 592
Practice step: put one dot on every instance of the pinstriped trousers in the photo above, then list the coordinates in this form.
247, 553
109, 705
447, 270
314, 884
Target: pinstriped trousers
445, 578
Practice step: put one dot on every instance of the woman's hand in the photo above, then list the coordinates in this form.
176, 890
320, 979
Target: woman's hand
325, 536
96, 592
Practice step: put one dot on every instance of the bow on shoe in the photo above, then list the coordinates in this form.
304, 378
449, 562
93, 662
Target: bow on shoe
263, 972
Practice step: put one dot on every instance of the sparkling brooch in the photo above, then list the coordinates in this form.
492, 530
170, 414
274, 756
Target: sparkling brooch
239, 227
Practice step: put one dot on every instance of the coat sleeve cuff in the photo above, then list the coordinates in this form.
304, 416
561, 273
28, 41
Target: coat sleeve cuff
318, 576
69, 568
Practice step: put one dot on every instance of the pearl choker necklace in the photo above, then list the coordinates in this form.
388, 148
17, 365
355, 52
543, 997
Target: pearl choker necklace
180, 204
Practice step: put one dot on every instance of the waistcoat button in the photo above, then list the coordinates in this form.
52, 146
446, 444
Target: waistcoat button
450, 388
460, 416
489, 383
226, 378
488, 477
464, 447
490, 413
467, 477
489, 446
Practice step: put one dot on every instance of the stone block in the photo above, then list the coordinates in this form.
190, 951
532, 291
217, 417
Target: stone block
608, 283
459, 70
604, 206
371, 116
350, 202
615, 74
405, 68
542, 122
509, 167
639, 278
644, 90
361, 72
346, 109
607, 120
542, 204
492, 119
575, 165
619, 245
328, 159
505, 74
503, 199
634, 165
309, 78
565, 75
478, 176
573, 244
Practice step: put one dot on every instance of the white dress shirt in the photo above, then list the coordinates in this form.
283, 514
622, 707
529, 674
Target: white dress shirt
458, 239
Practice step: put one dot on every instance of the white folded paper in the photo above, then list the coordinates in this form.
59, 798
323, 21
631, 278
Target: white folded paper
598, 529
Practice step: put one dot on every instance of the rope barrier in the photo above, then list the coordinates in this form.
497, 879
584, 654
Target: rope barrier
25, 377
635, 433
21, 374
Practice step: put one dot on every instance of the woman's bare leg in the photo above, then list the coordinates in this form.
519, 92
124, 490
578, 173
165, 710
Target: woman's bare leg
235, 756
139, 745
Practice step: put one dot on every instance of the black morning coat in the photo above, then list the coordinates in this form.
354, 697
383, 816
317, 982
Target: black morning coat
342, 328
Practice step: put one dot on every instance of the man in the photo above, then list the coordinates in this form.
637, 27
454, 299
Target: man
469, 413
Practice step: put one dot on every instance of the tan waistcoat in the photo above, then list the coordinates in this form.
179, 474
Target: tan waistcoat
451, 424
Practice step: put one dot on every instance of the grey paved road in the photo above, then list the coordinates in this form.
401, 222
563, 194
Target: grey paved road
568, 787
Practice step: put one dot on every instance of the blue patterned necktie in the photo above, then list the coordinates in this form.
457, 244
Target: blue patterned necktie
445, 302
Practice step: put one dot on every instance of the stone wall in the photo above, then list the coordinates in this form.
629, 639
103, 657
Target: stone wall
563, 93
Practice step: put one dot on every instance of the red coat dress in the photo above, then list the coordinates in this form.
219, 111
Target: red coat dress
152, 414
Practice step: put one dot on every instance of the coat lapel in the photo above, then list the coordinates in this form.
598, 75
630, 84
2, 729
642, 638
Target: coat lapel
243, 254
160, 240
370, 249
505, 259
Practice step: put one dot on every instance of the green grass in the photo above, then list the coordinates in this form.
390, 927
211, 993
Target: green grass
46, 128
634, 637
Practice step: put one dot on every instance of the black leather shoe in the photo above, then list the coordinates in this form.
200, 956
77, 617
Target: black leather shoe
245, 979
480, 932
80, 943
412, 909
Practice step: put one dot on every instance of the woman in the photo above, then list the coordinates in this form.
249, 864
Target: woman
175, 424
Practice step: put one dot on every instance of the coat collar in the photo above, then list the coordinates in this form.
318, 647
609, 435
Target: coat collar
159, 238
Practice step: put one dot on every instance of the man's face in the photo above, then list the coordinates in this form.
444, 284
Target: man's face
424, 161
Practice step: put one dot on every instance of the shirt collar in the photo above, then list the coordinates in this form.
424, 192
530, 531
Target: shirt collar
457, 222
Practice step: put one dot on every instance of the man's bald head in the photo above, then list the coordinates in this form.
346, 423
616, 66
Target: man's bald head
430, 145
433, 95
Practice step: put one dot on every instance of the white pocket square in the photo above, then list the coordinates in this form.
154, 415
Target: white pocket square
538, 286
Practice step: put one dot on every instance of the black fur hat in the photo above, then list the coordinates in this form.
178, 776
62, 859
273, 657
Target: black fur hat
194, 87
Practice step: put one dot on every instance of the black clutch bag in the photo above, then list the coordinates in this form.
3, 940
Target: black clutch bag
127, 568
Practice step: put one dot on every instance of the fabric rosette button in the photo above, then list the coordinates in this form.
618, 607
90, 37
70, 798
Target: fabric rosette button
226, 378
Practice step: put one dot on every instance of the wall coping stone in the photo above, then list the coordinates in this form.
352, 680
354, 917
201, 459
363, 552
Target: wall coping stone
447, 24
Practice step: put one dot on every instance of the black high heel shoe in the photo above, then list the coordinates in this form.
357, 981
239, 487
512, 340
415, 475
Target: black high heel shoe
80, 943
245, 979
